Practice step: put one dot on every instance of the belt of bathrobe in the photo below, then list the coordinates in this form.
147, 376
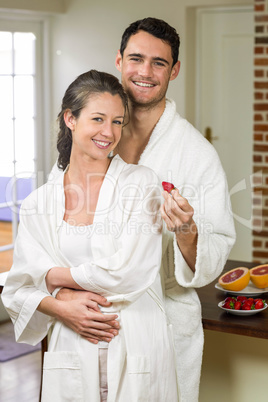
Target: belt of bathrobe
157, 299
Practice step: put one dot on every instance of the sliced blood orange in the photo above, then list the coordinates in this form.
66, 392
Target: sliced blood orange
236, 279
259, 276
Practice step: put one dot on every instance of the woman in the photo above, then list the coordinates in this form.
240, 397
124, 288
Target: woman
95, 227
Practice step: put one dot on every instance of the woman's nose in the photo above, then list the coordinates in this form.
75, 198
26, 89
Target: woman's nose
107, 130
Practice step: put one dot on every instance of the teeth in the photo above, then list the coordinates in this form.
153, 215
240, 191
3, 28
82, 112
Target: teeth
103, 144
143, 84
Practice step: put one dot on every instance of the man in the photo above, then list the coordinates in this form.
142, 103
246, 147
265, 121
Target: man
147, 64
201, 231
197, 216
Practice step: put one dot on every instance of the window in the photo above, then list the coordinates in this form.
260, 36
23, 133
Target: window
23, 143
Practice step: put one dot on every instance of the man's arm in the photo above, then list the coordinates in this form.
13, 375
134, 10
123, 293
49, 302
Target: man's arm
178, 215
79, 310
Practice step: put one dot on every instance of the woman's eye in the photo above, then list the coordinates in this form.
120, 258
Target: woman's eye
97, 119
119, 122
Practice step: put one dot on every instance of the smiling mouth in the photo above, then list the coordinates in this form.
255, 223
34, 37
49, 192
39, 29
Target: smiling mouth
102, 144
143, 84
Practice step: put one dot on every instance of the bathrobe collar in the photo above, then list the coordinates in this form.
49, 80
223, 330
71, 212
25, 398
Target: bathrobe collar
161, 126
107, 200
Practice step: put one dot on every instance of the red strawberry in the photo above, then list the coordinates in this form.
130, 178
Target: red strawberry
246, 306
250, 301
167, 186
241, 298
237, 305
259, 304
230, 298
229, 304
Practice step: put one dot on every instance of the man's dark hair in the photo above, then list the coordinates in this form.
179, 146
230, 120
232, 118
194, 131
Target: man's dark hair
158, 28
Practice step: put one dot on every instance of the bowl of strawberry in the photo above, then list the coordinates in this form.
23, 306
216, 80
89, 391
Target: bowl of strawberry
242, 305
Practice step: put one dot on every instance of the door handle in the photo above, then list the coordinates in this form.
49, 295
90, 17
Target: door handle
209, 136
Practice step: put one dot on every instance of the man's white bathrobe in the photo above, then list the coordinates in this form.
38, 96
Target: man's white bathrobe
178, 153
127, 247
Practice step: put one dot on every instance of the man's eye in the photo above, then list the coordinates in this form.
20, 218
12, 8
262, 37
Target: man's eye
158, 63
135, 59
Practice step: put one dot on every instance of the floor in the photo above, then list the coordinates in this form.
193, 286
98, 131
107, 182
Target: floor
20, 379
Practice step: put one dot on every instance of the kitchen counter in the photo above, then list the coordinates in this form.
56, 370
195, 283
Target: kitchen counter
215, 319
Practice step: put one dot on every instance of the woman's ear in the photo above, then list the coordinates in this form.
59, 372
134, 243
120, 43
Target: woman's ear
69, 119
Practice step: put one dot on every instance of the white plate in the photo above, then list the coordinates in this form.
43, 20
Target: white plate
242, 312
250, 290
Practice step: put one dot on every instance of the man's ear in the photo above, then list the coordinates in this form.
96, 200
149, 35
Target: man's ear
69, 119
175, 71
118, 61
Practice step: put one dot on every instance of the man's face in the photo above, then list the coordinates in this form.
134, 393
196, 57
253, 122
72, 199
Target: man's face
146, 69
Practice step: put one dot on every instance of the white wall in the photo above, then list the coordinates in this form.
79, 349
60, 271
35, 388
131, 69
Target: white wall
51, 6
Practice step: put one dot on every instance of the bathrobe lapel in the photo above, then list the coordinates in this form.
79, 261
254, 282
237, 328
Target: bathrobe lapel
106, 206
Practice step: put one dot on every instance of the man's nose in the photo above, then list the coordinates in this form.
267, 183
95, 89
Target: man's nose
145, 69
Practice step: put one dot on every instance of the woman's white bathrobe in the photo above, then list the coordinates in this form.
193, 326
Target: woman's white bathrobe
127, 247
178, 153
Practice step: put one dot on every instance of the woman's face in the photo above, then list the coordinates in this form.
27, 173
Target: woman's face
97, 130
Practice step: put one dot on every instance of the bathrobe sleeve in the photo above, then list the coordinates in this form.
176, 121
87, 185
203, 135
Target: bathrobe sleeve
212, 215
132, 268
25, 285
